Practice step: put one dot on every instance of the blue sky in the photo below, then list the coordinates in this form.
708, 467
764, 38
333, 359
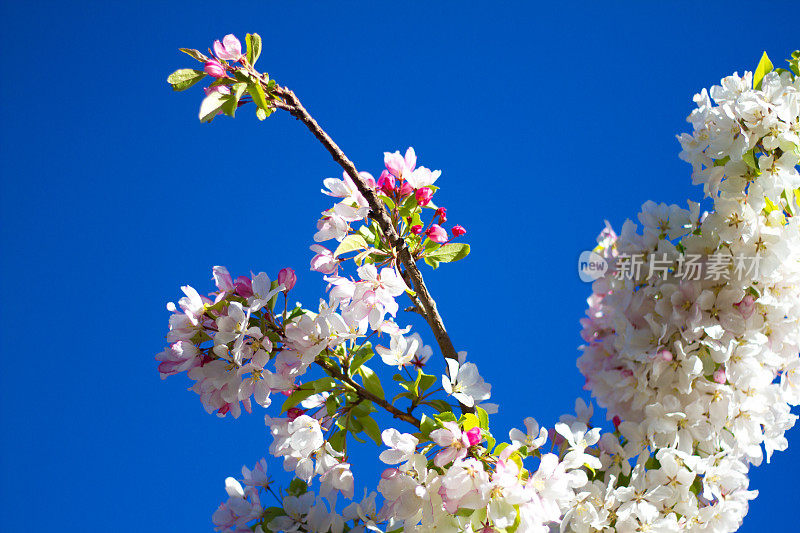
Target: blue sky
545, 121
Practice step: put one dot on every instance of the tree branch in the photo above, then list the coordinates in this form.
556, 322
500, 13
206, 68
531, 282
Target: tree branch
367, 395
381, 216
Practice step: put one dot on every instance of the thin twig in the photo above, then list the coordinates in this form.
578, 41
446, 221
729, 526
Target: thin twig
334, 371
423, 298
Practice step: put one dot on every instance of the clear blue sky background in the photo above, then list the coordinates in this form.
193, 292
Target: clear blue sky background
544, 120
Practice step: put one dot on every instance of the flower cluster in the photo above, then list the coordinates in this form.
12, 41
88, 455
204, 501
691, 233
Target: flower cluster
698, 373
704, 371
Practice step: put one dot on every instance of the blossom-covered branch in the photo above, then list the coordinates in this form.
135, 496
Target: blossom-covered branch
692, 341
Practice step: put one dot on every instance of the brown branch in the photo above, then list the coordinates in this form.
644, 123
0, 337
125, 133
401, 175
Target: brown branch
381, 216
333, 371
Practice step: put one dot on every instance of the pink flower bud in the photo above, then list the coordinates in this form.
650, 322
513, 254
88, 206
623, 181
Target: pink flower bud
386, 183
230, 49
423, 196
458, 231
617, 421
294, 412
406, 189
215, 69
287, 278
474, 436
416, 229
442, 214
665, 355
747, 306
436, 233
243, 286
720, 376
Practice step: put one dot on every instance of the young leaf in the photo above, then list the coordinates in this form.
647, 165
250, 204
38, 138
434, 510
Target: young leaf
184, 78
232, 102
449, 252
371, 381
194, 54
371, 429
432, 262
350, 243
296, 397
253, 47
426, 425
764, 66
259, 97
749, 158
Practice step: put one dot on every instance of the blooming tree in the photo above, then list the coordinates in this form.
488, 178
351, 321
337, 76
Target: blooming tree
692, 340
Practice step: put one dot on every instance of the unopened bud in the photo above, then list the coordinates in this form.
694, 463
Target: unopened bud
458, 231
215, 69
423, 196
474, 436
287, 278
436, 233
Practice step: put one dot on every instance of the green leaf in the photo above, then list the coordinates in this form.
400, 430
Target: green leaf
332, 405
364, 354
469, 421
297, 487
371, 381
423, 382
253, 47
446, 416
296, 397
449, 252
322, 384
232, 102
196, 54
440, 405
371, 429
350, 243
184, 78
426, 425
764, 66
211, 105
259, 97
337, 440
432, 262
483, 418
749, 158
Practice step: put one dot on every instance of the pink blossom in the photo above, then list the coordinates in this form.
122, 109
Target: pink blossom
436, 233
442, 214
747, 306
294, 412
287, 278
398, 165
323, 262
386, 183
230, 49
223, 279
423, 196
405, 189
416, 229
224, 89
474, 436
244, 287
215, 69
458, 231
719, 376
